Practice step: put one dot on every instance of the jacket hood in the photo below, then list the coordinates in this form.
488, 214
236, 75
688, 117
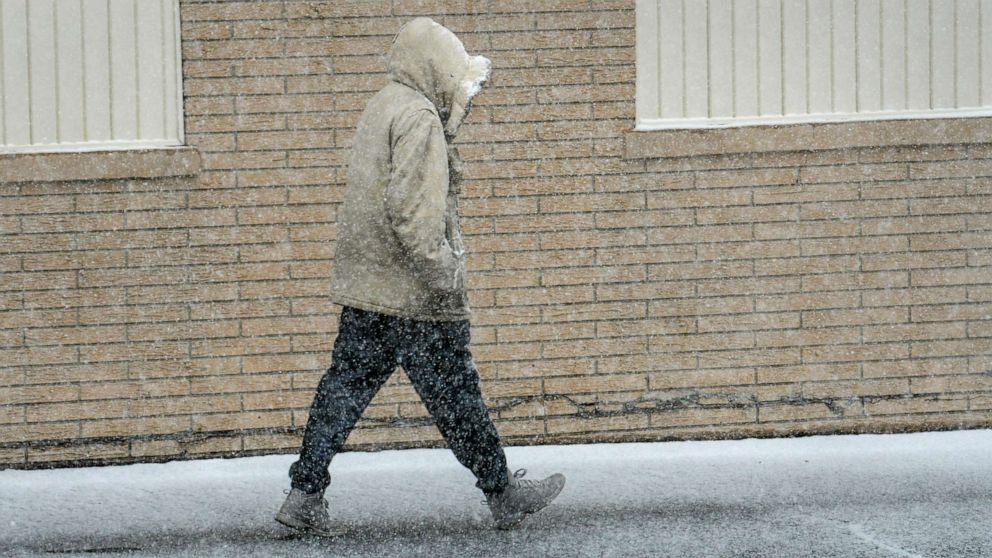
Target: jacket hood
429, 58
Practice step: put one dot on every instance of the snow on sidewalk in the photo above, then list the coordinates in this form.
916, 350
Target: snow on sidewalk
884, 495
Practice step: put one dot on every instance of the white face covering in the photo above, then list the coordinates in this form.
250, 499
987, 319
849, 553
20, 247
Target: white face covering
476, 76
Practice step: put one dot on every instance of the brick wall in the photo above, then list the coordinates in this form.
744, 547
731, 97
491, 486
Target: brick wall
615, 298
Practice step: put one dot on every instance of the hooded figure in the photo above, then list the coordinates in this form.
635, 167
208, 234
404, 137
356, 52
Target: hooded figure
399, 274
399, 249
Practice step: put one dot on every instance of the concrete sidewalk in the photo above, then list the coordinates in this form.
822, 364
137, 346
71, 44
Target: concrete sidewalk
911, 495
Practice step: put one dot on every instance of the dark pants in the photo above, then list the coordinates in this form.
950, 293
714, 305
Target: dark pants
436, 357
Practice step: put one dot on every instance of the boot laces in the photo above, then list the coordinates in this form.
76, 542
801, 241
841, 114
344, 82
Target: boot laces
522, 482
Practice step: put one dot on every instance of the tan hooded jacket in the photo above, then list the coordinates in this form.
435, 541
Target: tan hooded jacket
399, 248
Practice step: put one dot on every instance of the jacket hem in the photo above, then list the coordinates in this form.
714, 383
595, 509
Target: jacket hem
345, 300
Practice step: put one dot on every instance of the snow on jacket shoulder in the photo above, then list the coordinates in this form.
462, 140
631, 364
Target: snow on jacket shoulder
399, 250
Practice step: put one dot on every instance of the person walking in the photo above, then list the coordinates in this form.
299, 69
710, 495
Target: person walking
399, 275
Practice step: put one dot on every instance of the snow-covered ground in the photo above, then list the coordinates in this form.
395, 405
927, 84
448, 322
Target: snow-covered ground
907, 495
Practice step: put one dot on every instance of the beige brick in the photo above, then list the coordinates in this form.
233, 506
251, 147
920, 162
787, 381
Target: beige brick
696, 235
19, 395
751, 357
155, 448
980, 258
698, 378
30, 356
750, 214
699, 306
592, 202
75, 335
231, 11
683, 271
942, 206
239, 383
851, 210
864, 280
963, 347
749, 250
912, 225
823, 318
540, 149
902, 332
36, 205
806, 265
806, 193
595, 384
809, 372
748, 322
646, 182
806, 337
236, 85
78, 223
945, 169
981, 328
544, 368
241, 421
852, 353
806, 301
504, 279
628, 328
542, 332
683, 417
774, 231
664, 344
127, 427
544, 259
599, 424
914, 189
956, 276
855, 388
951, 384
77, 452
597, 347
645, 363
795, 412
594, 311
855, 173
749, 177
134, 390
32, 432
11, 338
622, 220
593, 275
920, 367
13, 456
533, 223
865, 245
927, 404
652, 254
18, 319
514, 351
746, 286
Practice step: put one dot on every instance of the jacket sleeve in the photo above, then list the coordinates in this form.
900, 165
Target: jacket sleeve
416, 198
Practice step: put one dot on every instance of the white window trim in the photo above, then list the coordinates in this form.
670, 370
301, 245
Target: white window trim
651, 124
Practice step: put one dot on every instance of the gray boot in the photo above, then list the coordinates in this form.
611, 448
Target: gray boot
522, 497
306, 512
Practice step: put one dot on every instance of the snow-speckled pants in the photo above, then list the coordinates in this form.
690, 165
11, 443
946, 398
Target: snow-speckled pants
436, 357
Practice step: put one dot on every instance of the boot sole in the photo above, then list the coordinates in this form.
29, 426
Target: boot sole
293, 523
509, 522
